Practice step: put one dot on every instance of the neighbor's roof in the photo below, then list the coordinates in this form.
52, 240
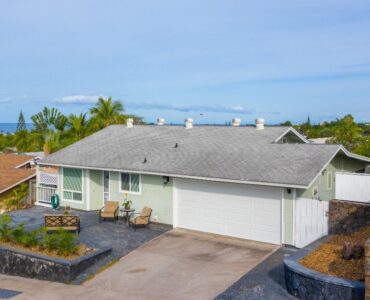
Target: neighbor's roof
10, 161
240, 154
10, 176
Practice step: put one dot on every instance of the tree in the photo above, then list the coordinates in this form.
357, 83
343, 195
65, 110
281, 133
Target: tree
50, 122
286, 123
108, 112
347, 133
77, 125
49, 119
308, 122
21, 126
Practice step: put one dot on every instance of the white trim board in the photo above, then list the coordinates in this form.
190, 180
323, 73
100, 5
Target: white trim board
182, 176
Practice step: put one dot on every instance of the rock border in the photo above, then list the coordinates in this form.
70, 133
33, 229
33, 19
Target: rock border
34, 265
305, 283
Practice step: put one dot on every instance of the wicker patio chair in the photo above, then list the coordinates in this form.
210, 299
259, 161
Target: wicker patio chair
142, 220
109, 211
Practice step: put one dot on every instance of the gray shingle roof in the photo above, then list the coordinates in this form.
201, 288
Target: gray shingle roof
219, 152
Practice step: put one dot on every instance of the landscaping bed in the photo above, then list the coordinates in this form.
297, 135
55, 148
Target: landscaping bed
34, 265
327, 258
37, 254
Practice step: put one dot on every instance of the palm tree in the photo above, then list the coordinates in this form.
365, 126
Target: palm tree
108, 112
50, 123
49, 119
77, 125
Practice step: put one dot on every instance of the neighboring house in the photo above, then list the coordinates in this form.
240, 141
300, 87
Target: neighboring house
260, 183
15, 170
323, 140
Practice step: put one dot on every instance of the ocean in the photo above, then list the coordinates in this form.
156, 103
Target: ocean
12, 127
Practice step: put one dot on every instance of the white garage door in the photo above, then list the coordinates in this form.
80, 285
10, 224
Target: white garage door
238, 210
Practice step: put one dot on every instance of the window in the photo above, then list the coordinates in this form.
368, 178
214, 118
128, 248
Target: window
130, 183
72, 184
330, 180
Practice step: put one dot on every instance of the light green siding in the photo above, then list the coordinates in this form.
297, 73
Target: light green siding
96, 189
338, 164
288, 216
154, 194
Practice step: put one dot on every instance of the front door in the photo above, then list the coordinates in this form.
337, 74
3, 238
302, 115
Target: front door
106, 185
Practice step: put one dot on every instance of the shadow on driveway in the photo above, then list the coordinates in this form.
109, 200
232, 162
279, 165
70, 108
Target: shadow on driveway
265, 281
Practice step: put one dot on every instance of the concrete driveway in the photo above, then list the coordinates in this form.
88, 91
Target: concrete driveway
183, 265
177, 265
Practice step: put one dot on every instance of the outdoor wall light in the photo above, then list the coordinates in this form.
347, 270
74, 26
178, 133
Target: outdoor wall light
289, 191
166, 179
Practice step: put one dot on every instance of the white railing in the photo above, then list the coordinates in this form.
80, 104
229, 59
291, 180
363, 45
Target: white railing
49, 179
44, 194
352, 187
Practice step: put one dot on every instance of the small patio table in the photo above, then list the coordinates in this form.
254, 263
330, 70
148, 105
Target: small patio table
128, 211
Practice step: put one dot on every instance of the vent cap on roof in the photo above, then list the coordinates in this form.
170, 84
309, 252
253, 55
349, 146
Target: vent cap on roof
160, 121
235, 122
188, 123
260, 124
130, 123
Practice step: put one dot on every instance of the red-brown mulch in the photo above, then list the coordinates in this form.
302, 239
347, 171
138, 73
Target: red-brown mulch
327, 258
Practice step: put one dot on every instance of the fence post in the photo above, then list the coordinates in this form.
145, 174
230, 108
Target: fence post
367, 270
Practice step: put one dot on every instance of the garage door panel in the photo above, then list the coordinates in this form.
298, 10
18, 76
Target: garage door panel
244, 211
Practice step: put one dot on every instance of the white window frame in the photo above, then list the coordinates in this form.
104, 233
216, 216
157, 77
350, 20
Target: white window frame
129, 192
82, 188
329, 181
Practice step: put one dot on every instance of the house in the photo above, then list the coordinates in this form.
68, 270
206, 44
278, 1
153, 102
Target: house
15, 170
264, 183
323, 140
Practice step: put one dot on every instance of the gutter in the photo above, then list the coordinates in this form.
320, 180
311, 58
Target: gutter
181, 176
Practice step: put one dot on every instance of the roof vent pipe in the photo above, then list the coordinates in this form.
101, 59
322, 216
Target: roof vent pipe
188, 123
160, 121
260, 124
235, 122
130, 123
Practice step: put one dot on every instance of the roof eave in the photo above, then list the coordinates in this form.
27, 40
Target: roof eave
283, 185
291, 129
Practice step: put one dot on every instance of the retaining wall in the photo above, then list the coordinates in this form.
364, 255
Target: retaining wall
34, 265
346, 217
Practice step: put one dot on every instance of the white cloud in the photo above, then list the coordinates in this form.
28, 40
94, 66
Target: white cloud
79, 99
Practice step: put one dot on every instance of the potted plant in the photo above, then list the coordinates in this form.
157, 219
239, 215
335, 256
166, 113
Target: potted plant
127, 203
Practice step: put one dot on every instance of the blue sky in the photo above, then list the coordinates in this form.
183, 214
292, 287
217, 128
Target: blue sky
210, 60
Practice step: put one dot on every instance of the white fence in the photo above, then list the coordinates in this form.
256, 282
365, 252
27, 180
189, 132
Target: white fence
311, 220
44, 194
352, 187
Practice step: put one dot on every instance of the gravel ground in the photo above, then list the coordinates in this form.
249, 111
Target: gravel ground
96, 235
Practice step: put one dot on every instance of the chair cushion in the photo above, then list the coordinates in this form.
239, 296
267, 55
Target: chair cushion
147, 211
107, 214
139, 221
110, 206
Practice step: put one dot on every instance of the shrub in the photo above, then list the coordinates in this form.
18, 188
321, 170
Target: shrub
17, 197
5, 230
18, 233
32, 238
61, 241
50, 242
66, 243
